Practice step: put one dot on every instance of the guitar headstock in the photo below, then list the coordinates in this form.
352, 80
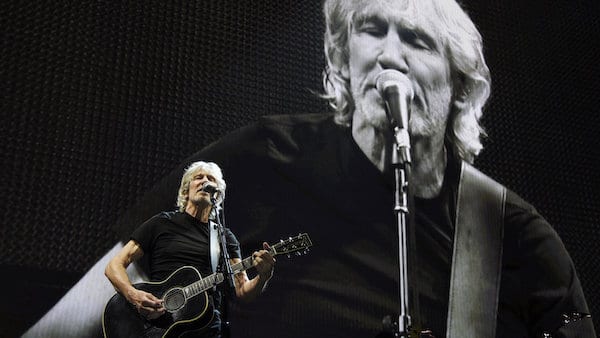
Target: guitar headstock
294, 245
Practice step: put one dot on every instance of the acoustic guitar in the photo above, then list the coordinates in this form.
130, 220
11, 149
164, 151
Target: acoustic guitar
185, 298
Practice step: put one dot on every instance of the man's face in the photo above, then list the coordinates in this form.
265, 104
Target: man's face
195, 193
384, 39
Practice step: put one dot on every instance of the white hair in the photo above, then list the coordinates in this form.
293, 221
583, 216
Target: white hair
211, 168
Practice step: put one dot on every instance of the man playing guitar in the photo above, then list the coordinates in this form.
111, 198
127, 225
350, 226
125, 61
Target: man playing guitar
172, 240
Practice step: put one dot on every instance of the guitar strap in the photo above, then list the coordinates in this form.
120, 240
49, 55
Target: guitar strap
477, 256
215, 248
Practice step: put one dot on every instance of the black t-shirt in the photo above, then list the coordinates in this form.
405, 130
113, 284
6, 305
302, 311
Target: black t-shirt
171, 240
303, 173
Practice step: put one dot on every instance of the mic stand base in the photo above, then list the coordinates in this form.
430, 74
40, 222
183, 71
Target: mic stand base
390, 326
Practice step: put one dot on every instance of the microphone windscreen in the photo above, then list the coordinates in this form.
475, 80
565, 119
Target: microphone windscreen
209, 187
393, 78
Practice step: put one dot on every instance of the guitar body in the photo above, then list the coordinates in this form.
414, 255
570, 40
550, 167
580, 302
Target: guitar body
121, 319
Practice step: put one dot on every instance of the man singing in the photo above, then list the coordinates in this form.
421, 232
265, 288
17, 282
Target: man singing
171, 240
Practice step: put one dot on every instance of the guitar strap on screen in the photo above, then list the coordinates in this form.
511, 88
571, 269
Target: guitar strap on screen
477, 256
215, 247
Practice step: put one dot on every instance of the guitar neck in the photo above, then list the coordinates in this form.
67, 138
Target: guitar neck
208, 282
248, 262
291, 245
203, 285
244, 265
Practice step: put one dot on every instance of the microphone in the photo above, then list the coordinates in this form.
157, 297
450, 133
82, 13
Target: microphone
210, 188
396, 90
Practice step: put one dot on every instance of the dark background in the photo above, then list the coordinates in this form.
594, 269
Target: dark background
99, 100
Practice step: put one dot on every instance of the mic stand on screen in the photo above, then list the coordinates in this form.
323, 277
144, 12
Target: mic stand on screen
401, 164
226, 265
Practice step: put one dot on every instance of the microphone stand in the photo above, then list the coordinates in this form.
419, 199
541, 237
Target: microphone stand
226, 265
401, 163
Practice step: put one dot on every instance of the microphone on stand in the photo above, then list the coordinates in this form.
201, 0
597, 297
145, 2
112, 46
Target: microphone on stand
212, 190
396, 90
215, 194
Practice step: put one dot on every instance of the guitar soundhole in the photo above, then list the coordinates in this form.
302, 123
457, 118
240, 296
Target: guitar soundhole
174, 300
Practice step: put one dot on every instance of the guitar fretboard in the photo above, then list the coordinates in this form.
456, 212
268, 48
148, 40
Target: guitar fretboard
203, 285
242, 266
216, 278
